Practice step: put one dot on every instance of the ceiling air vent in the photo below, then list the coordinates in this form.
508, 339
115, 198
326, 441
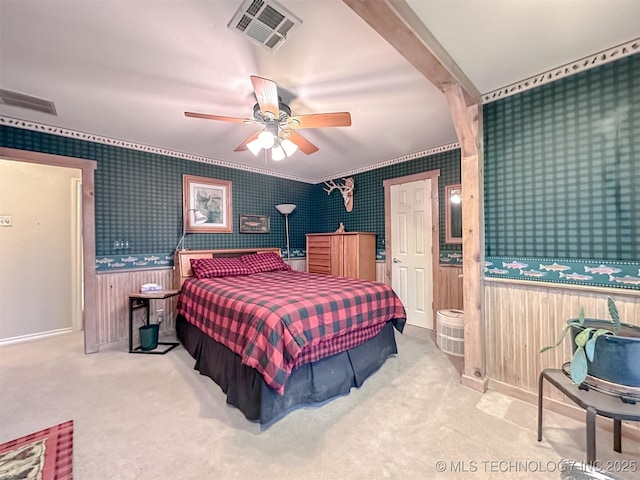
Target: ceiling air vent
264, 22
22, 100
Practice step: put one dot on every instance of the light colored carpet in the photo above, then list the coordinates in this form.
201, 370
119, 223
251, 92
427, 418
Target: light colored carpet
154, 417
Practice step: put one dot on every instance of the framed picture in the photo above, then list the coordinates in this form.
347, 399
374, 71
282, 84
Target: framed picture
254, 223
206, 204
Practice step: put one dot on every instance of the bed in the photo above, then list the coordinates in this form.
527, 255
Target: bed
274, 339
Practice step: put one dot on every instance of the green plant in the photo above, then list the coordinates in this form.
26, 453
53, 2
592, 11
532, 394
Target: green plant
586, 341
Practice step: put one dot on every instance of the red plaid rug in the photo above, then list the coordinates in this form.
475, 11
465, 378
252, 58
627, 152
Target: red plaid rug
43, 455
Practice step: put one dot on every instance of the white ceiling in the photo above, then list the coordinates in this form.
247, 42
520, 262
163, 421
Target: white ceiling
128, 70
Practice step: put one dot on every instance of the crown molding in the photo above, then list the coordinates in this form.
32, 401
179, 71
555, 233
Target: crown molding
65, 132
393, 161
624, 50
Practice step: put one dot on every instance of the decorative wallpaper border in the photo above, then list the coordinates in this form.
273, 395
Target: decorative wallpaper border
294, 253
586, 63
111, 263
393, 161
450, 257
65, 132
137, 261
613, 274
447, 257
591, 61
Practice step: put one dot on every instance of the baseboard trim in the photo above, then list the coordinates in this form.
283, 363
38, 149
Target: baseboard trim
478, 384
630, 429
33, 336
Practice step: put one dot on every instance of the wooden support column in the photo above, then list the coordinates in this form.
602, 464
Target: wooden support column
467, 121
399, 25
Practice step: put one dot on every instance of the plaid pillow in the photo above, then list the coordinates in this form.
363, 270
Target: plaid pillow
218, 267
264, 262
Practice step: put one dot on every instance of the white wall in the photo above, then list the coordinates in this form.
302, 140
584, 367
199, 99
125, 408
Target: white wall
35, 253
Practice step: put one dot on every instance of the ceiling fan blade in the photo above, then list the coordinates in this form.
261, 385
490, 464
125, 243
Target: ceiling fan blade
218, 117
319, 120
267, 95
303, 144
243, 146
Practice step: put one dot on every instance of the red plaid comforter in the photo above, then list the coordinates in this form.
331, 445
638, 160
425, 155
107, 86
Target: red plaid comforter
277, 320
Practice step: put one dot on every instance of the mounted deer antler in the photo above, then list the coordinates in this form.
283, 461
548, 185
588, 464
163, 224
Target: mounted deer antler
346, 189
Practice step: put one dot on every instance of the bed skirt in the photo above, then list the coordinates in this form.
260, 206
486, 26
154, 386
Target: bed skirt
309, 384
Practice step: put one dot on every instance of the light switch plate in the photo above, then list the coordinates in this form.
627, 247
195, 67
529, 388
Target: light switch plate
6, 221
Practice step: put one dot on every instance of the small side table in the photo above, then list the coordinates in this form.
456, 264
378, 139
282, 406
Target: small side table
142, 300
595, 403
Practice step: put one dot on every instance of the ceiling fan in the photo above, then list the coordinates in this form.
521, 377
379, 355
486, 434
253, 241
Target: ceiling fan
279, 135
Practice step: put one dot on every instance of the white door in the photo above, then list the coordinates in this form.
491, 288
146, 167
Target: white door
411, 257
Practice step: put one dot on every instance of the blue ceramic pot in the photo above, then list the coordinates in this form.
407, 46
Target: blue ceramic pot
617, 357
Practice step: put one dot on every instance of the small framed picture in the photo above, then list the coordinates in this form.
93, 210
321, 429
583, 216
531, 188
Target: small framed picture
206, 205
254, 223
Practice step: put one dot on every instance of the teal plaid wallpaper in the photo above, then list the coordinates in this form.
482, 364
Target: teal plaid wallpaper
138, 198
562, 180
562, 168
561, 185
561, 188
368, 200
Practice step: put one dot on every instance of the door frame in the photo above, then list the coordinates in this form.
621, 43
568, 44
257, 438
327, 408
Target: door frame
87, 167
76, 254
434, 176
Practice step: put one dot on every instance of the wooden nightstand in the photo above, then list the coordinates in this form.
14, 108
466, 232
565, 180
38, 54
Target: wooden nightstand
139, 300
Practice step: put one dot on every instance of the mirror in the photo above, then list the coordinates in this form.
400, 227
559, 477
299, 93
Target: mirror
453, 214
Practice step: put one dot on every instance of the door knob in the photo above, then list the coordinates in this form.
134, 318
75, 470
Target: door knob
397, 260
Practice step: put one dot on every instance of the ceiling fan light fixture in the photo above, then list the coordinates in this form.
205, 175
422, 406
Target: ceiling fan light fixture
289, 147
278, 124
266, 139
254, 147
277, 153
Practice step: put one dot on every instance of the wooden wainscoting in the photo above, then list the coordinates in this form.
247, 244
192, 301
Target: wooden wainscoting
113, 291
298, 264
381, 272
447, 289
521, 319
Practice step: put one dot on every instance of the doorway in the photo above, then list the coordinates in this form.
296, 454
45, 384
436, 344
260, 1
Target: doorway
38, 296
87, 167
412, 250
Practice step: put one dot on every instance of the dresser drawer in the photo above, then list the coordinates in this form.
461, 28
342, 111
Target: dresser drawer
313, 267
349, 254
319, 261
319, 254
324, 252
320, 242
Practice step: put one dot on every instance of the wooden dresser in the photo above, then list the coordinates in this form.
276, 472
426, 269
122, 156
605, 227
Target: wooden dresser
349, 254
